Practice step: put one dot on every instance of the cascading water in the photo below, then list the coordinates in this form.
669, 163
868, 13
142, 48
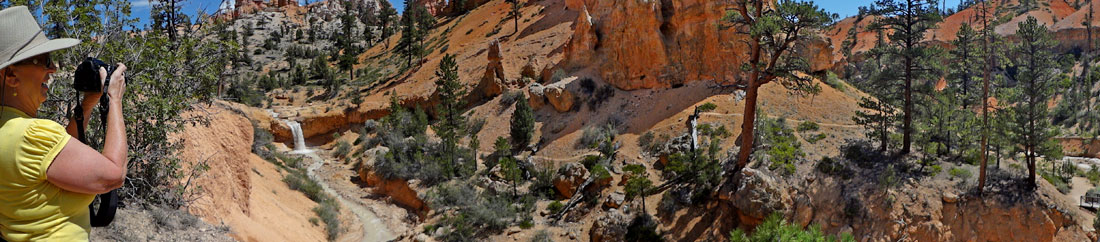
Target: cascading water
299, 139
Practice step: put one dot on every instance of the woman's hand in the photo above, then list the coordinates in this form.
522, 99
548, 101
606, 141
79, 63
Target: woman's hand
118, 83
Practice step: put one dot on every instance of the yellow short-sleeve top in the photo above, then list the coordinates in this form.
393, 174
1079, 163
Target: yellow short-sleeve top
31, 208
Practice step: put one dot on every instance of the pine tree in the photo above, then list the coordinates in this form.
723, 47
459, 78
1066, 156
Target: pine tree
385, 18
965, 62
508, 166
773, 33
878, 121
168, 17
638, 185
414, 27
908, 20
1036, 84
452, 122
523, 124
516, 14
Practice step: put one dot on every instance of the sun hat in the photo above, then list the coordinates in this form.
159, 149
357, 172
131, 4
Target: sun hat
22, 38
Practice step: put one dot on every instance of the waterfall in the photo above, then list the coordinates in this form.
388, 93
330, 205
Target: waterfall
299, 139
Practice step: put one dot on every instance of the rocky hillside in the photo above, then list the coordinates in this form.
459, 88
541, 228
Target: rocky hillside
641, 66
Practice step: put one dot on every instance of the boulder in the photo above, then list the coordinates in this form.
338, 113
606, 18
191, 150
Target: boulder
559, 95
757, 196
803, 212
610, 227
536, 94
366, 167
569, 177
949, 197
615, 200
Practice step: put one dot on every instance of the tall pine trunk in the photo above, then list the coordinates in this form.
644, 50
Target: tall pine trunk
907, 130
985, 100
747, 127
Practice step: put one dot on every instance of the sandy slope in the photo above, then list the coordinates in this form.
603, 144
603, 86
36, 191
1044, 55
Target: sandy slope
242, 190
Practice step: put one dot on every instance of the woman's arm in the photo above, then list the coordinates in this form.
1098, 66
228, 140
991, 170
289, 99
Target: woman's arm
89, 103
80, 168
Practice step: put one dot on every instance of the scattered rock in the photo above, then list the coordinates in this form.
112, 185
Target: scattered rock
615, 200
423, 238
609, 227
568, 178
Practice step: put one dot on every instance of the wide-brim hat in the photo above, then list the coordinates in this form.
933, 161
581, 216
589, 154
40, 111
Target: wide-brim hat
22, 38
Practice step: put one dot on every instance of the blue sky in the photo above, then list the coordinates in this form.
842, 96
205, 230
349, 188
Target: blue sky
140, 8
846, 8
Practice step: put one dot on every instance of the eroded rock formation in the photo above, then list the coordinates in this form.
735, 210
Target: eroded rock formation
649, 44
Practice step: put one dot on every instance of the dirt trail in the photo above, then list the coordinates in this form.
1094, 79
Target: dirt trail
373, 227
1080, 186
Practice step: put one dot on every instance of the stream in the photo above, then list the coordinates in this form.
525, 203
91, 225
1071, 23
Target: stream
373, 227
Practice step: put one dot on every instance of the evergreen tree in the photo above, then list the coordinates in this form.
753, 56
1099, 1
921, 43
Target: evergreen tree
908, 20
385, 18
523, 124
638, 185
459, 6
773, 33
516, 14
1036, 83
168, 17
878, 121
508, 166
452, 122
965, 62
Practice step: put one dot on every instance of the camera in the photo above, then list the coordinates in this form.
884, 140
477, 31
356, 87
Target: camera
86, 77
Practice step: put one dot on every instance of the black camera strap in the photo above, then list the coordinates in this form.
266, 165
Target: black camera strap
108, 202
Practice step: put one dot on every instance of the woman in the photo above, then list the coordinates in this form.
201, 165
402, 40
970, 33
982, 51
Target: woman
48, 178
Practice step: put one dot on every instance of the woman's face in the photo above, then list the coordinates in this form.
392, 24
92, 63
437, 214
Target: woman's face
31, 80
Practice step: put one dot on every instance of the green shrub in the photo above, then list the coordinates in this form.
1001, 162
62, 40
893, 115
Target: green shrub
555, 207
808, 126
784, 150
1093, 175
934, 170
833, 81
646, 140
814, 139
959, 173
476, 213
707, 107
329, 212
542, 236
591, 136
511, 97
1061, 183
775, 228
342, 149
833, 167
